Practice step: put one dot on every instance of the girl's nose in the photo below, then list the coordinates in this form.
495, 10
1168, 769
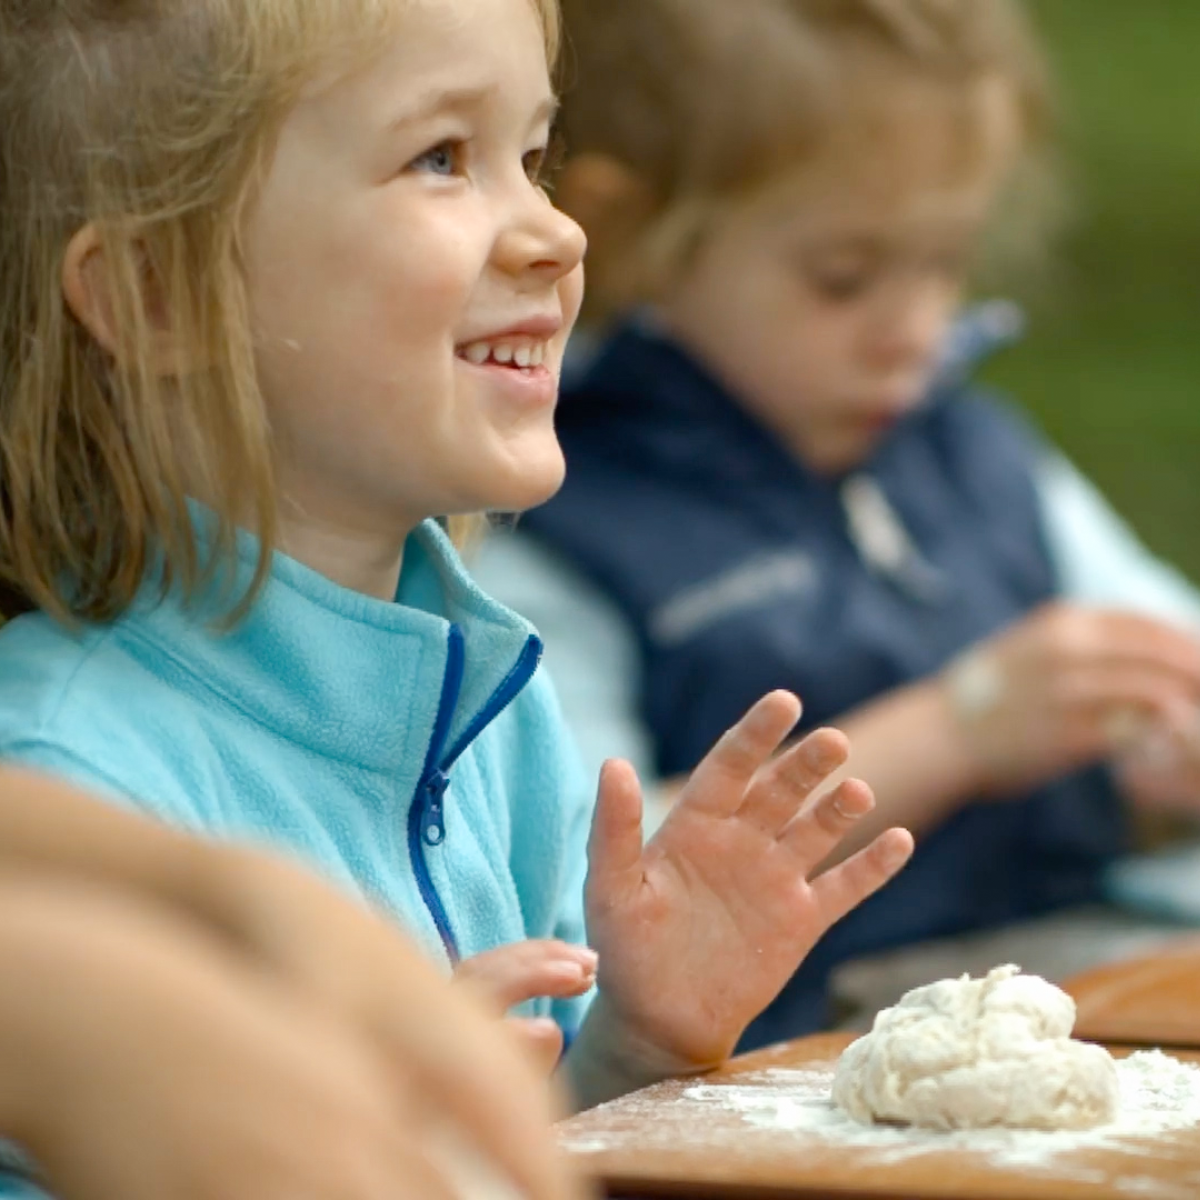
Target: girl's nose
912, 326
546, 243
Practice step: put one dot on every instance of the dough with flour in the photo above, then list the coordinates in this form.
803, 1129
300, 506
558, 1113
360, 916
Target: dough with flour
972, 1053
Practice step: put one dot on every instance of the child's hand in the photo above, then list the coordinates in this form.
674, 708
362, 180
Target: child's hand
698, 932
510, 975
1161, 769
1064, 687
360, 966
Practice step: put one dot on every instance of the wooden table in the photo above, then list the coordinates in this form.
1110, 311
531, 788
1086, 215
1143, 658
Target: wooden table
658, 1143
1150, 1000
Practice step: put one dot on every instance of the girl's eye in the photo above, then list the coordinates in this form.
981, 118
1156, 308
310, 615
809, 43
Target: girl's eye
953, 264
543, 164
443, 159
841, 286
840, 276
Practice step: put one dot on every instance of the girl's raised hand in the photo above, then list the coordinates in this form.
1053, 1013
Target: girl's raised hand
698, 931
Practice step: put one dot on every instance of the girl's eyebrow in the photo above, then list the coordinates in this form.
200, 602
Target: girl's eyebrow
848, 243
439, 100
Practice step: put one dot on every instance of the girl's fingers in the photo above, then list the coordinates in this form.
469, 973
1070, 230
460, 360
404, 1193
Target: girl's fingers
814, 833
1098, 688
847, 885
541, 1039
783, 786
511, 975
461, 1064
615, 869
719, 783
1127, 639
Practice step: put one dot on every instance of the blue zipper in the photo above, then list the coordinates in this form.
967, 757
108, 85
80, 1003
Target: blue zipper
427, 815
509, 689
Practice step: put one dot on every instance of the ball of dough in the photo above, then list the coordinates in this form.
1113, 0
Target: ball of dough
972, 1053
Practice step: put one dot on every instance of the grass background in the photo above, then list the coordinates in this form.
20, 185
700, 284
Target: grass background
1111, 367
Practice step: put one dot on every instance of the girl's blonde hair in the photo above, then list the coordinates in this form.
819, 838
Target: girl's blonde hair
705, 101
154, 120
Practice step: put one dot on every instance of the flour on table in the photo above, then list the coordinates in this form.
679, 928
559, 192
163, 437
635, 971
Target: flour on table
980, 1057
791, 1110
975, 1054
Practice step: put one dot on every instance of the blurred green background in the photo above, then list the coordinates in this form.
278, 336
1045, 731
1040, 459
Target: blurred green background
1112, 364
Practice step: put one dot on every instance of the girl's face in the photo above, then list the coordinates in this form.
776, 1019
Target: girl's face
412, 288
823, 304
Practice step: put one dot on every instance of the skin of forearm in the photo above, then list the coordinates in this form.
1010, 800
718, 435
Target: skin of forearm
48, 970
20, 998
49, 826
908, 747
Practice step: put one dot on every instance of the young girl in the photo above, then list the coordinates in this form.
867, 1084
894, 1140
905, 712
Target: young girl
779, 475
280, 286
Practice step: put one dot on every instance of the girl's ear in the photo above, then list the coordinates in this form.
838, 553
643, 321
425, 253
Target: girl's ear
594, 189
90, 284
87, 289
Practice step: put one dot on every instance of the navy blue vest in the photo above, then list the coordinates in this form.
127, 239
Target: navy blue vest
741, 573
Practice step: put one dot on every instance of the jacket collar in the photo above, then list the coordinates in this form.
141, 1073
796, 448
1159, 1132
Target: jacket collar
344, 674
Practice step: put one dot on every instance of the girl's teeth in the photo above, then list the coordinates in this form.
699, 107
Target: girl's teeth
524, 357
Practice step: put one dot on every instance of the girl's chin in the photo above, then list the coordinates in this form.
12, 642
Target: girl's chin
533, 486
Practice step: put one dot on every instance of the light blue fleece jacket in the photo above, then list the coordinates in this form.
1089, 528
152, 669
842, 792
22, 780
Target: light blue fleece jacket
410, 752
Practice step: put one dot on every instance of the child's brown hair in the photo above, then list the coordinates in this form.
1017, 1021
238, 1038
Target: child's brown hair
703, 101
152, 121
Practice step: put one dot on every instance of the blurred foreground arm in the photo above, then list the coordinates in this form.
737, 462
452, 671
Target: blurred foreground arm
301, 934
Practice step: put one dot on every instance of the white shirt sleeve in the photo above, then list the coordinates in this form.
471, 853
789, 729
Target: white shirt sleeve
592, 655
1098, 558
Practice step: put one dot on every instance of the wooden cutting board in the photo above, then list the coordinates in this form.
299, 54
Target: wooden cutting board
1153, 1000
660, 1143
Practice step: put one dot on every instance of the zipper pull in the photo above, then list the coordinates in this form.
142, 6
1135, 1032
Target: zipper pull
433, 820
884, 544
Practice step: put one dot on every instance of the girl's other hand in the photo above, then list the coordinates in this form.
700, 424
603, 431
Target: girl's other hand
511, 975
465, 1062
